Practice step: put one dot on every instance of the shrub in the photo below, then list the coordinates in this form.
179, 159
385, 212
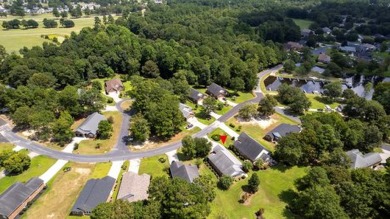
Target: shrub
254, 183
110, 120
225, 182
110, 100
220, 106
98, 145
215, 137
232, 125
76, 146
161, 160
247, 166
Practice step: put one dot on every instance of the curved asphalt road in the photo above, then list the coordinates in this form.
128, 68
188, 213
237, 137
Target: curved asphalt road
120, 151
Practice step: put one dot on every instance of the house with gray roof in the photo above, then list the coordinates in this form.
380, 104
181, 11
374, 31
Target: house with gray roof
225, 163
323, 58
348, 49
17, 196
90, 126
216, 91
281, 131
250, 148
187, 172
134, 187
358, 160
96, 191
318, 69
196, 96
186, 111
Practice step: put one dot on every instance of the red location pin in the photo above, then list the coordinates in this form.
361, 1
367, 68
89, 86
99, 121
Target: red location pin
223, 138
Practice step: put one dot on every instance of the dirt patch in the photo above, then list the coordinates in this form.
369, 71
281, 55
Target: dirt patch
83, 170
28, 133
263, 123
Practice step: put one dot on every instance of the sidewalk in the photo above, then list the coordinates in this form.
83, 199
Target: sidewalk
194, 121
213, 114
228, 130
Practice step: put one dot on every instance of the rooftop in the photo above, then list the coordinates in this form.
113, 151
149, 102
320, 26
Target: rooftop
90, 125
195, 94
134, 187
249, 147
284, 129
215, 89
358, 160
225, 162
186, 172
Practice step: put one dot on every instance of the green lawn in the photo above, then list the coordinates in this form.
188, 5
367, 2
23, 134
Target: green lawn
272, 195
38, 166
219, 131
13, 40
101, 170
318, 103
303, 24
240, 97
224, 110
6, 146
154, 167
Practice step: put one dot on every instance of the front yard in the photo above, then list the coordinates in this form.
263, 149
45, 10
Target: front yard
272, 195
155, 166
90, 146
5, 146
38, 166
220, 132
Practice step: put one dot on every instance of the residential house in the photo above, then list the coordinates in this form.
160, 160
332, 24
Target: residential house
134, 187
250, 148
90, 126
293, 46
281, 131
113, 85
365, 47
327, 30
187, 172
186, 111
216, 91
306, 33
158, 1
16, 198
323, 58
348, 49
95, 192
318, 69
225, 163
358, 160
196, 96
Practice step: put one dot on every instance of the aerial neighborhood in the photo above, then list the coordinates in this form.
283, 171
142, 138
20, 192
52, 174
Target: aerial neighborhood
195, 109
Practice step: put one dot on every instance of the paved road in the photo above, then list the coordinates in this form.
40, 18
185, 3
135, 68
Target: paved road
120, 151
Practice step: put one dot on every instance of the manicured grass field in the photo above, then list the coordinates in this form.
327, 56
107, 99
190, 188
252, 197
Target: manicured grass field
272, 195
88, 146
240, 97
61, 193
38, 166
14, 40
257, 133
303, 24
154, 167
6, 146
101, 170
224, 110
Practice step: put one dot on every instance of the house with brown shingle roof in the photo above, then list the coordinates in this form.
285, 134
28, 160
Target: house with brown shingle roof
113, 85
324, 58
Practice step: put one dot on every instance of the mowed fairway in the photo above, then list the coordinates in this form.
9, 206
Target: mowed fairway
14, 40
64, 189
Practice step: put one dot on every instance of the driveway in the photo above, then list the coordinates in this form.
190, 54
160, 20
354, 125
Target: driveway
134, 165
115, 169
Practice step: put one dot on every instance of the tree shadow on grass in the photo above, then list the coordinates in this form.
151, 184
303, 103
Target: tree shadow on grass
324, 100
288, 196
281, 167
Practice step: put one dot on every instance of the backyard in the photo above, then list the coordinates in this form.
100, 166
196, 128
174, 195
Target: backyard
99, 146
154, 166
303, 24
273, 193
38, 166
57, 202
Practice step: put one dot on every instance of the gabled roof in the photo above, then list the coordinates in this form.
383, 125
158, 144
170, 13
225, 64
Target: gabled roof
225, 163
348, 49
17, 194
186, 172
323, 58
96, 191
195, 95
113, 85
284, 129
134, 187
318, 69
215, 89
249, 147
358, 160
90, 125
185, 110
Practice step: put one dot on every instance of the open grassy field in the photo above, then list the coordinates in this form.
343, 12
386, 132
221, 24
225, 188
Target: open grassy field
14, 40
154, 167
256, 132
5, 146
38, 166
89, 146
61, 193
101, 170
318, 103
303, 24
240, 97
272, 195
